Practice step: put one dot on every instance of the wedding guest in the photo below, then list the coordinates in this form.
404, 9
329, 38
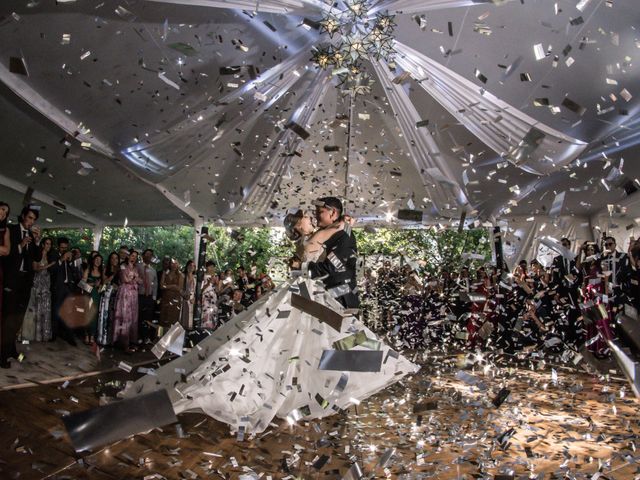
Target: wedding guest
125, 328
566, 281
267, 282
18, 280
42, 330
77, 260
166, 265
147, 295
64, 276
237, 301
123, 253
172, 286
5, 248
463, 280
210, 297
93, 277
617, 269
634, 278
593, 287
243, 279
226, 284
106, 312
188, 295
257, 293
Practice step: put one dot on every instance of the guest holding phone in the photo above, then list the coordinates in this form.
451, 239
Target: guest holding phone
18, 280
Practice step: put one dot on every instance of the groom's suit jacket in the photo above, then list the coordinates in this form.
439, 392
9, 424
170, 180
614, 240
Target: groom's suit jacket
338, 269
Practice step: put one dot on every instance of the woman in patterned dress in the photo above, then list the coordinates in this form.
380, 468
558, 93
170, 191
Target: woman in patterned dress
125, 329
106, 312
41, 293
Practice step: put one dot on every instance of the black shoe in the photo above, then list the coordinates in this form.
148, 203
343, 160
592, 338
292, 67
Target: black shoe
5, 364
71, 341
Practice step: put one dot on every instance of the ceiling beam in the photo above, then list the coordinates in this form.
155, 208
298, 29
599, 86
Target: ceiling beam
61, 120
49, 200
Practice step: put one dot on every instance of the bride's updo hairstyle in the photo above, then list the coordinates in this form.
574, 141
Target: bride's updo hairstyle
290, 222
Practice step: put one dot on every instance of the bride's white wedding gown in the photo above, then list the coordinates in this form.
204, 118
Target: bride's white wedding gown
266, 363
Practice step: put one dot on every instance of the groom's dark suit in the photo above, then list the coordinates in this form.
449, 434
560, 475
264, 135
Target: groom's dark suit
338, 269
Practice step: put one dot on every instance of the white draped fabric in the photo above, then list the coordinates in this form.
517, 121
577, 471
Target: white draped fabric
433, 164
315, 6
532, 146
620, 221
50, 111
417, 6
269, 6
286, 142
266, 363
191, 140
521, 236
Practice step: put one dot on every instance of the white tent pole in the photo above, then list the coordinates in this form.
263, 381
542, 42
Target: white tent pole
97, 236
197, 226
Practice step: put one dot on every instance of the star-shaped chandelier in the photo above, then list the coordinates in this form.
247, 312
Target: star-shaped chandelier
354, 35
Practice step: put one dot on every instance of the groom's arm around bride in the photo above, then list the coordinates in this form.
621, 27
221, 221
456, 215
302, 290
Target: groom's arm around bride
338, 269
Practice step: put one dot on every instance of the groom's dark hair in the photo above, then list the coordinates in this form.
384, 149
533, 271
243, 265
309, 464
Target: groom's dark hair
332, 202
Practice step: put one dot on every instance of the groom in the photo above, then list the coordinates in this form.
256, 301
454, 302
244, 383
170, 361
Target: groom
338, 269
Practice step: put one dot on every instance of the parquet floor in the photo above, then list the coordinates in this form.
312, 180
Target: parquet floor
432, 425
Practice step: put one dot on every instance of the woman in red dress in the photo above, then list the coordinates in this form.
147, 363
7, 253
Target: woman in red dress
596, 315
5, 247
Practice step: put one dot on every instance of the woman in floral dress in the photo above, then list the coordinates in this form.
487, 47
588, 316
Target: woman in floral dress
125, 329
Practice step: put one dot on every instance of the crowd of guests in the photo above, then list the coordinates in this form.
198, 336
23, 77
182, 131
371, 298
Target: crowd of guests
560, 310
48, 290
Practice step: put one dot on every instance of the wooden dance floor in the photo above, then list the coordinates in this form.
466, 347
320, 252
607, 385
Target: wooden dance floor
432, 425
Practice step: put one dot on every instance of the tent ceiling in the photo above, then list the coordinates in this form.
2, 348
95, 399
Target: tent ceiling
147, 85
34, 154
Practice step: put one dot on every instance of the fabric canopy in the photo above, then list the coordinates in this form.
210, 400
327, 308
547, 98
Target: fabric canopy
211, 110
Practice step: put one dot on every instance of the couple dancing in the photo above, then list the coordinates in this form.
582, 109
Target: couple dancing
277, 359
329, 251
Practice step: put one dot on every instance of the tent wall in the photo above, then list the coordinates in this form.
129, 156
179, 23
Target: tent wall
522, 235
621, 221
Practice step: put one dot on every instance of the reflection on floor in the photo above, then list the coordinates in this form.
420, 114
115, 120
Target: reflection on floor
439, 424
57, 360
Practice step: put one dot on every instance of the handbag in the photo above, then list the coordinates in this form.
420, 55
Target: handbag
28, 331
77, 310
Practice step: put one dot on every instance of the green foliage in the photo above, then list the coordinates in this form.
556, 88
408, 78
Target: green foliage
174, 241
232, 248
247, 247
265, 247
81, 238
437, 248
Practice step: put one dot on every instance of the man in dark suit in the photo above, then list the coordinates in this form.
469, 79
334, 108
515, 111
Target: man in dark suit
565, 280
562, 267
18, 280
64, 279
338, 269
617, 271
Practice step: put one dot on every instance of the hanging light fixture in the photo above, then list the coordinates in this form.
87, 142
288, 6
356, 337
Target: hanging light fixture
354, 35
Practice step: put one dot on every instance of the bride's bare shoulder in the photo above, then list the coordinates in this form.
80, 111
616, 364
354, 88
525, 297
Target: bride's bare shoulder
325, 234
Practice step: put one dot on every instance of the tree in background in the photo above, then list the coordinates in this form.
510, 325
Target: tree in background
263, 247
232, 248
434, 247
81, 238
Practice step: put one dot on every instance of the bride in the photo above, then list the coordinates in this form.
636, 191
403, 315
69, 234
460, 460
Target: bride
276, 359
301, 229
